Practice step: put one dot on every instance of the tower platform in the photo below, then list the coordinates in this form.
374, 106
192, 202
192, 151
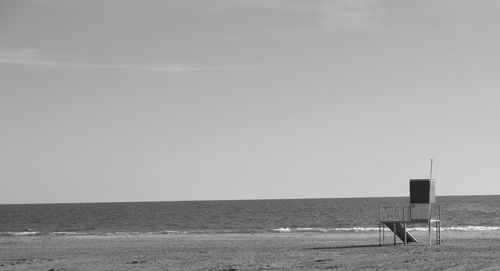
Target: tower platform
397, 219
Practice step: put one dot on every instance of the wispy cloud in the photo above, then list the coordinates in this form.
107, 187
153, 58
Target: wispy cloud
353, 14
337, 14
38, 59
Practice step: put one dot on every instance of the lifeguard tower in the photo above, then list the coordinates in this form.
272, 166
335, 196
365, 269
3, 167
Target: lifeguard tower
422, 210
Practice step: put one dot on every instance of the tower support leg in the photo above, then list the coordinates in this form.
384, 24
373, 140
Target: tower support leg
383, 235
404, 227
379, 234
394, 225
430, 236
438, 232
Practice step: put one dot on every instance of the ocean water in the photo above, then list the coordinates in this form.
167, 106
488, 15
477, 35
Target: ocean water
459, 213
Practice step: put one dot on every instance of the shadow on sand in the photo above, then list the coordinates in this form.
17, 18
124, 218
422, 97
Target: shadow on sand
344, 247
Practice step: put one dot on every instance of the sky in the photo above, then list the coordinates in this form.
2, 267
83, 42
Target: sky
149, 100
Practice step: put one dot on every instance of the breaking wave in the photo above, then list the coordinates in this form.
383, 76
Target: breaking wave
374, 229
20, 233
308, 229
277, 230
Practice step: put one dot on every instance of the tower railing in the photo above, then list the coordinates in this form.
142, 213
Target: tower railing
403, 214
394, 214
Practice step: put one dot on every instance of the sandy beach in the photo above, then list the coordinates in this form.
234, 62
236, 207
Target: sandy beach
304, 251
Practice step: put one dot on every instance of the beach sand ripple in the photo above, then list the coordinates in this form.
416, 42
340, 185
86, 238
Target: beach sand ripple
235, 252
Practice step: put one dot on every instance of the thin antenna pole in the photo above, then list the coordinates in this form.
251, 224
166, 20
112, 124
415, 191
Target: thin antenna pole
430, 175
430, 209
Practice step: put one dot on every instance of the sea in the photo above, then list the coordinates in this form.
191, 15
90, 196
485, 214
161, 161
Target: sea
342, 215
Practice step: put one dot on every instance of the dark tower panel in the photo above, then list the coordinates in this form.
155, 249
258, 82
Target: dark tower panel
422, 191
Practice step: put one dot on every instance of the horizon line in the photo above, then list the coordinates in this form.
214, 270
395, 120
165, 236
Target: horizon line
250, 199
